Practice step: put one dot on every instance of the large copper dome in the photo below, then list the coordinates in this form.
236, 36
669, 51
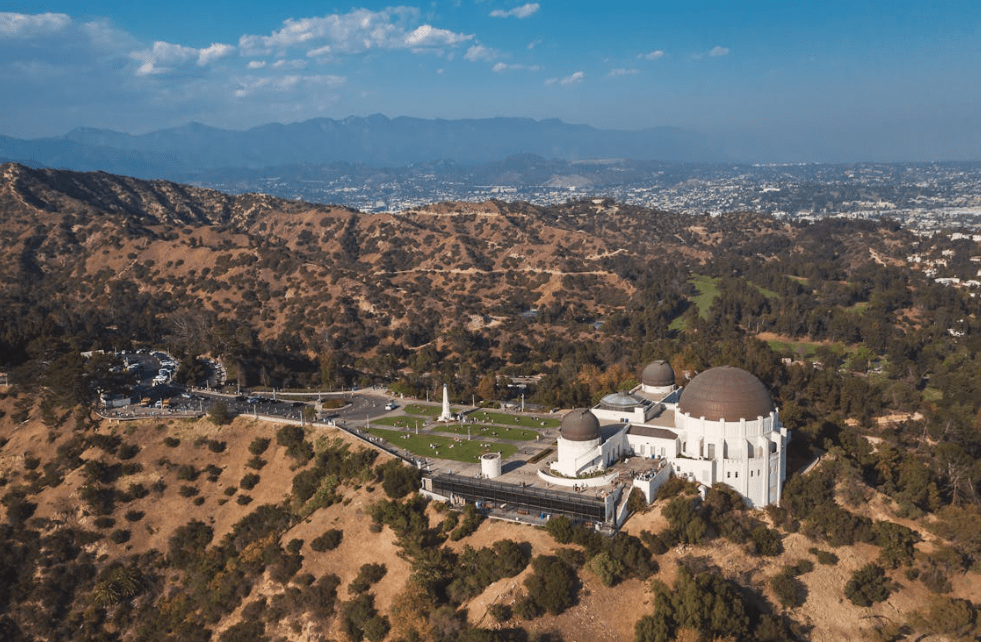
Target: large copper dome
580, 425
657, 374
726, 393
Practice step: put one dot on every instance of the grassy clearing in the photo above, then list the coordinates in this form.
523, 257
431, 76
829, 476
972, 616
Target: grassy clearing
707, 289
505, 419
500, 432
770, 294
454, 448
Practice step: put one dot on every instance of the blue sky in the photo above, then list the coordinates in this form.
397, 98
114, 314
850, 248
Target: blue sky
798, 81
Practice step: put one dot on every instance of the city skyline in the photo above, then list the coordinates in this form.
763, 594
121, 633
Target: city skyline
780, 81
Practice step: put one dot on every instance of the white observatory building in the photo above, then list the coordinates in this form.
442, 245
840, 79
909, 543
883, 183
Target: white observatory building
722, 427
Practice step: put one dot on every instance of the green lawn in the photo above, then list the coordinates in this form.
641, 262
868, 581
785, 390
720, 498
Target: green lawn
427, 411
398, 422
478, 430
505, 419
445, 447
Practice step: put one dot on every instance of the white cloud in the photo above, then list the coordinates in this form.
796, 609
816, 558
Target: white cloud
355, 32
216, 51
652, 55
429, 36
479, 52
22, 25
282, 84
164, 57
524, 11
501, 67
574, 79
623, 72
534, 43
289, 64
718, 51
256, 64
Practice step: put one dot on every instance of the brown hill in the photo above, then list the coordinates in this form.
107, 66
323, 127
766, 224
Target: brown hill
103, 241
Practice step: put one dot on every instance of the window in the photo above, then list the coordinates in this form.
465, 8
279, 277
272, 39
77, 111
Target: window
728, 474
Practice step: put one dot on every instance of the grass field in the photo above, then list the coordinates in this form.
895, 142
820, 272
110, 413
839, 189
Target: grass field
426, 411
443, 447
505, 419
398, 422
500, 432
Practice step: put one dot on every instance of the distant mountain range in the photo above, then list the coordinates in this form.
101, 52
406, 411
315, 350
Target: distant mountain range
183, 152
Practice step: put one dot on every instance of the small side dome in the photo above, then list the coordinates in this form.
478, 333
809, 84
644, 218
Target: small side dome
621, 401
658, 374
580, 425
726, 393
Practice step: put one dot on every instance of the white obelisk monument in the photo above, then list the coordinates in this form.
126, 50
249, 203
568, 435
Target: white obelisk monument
445, 416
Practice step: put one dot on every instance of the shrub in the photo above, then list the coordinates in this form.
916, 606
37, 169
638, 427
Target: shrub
328, 541
527, 608
188, 491
703, 601
608, 570
398, 480
685, 522
128, 451
120, 535
259, 445
499, 612
654, 542
368, 574
243, 500
292, 437
823, 557
554, 585
360, 620
867, 585
790, 591
172, 442
216, 446
766, 541
188, 543
249, 481
256, 462
134, 515
187, 472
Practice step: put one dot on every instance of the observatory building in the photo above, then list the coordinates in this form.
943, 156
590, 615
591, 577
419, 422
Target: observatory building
722, 427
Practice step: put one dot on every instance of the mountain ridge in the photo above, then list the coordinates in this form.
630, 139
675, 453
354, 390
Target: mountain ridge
376, 139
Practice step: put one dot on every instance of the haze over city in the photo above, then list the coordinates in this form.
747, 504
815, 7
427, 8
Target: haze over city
766, 81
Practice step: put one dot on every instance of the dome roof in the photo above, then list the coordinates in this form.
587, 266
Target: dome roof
726, 393
622, 401
657, 374
580, 425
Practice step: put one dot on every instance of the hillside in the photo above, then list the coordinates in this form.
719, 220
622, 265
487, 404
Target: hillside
185, 530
